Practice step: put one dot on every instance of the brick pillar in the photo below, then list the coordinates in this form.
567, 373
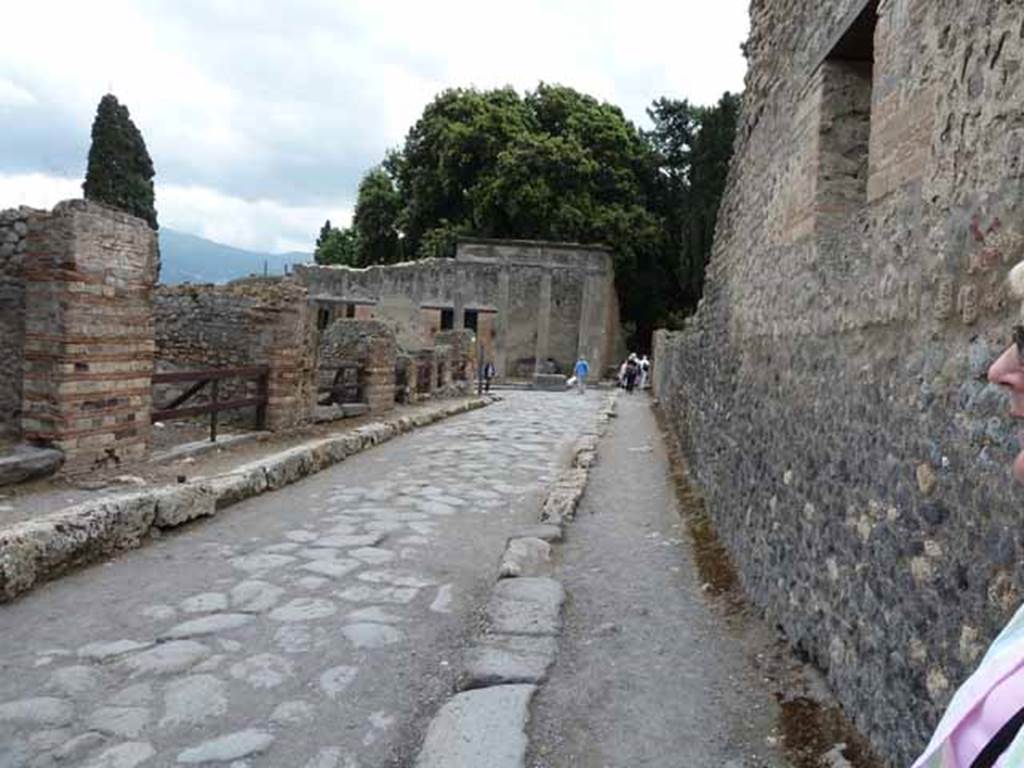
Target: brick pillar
89, 273
379, 378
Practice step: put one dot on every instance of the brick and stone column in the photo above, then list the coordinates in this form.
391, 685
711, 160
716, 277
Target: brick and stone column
89, 273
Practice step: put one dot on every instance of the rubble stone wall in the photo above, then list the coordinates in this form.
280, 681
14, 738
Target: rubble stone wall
371, 344
830, 392
89, 272
552, 300
13, 242
255, 321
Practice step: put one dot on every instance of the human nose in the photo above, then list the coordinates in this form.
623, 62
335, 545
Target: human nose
1006, 369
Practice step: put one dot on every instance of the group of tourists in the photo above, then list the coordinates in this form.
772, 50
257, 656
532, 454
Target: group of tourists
634, 372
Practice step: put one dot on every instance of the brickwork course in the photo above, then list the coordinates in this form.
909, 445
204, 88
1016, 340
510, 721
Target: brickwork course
830, 393
88, 275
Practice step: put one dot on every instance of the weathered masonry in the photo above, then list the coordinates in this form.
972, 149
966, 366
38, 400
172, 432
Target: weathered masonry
77, 347
535, 306
830, 391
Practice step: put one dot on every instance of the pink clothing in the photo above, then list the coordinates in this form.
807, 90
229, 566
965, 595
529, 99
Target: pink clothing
984, 721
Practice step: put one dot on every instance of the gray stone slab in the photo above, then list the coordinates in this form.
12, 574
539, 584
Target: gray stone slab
544, 532
224, 749
525, 557
508, 659
526, 606
479, 728
25, 462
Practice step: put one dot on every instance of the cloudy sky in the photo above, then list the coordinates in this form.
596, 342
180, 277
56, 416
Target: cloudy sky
261, 115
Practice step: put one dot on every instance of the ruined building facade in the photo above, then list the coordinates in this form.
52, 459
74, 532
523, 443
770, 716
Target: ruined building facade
534, 305
830, 391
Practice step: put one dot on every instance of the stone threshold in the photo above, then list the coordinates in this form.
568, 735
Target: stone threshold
36, 551
508, 659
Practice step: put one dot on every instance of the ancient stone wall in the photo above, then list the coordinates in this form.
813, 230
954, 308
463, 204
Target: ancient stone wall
549, 301
371, 344
88, 353
13, 242
256, 321
830, 392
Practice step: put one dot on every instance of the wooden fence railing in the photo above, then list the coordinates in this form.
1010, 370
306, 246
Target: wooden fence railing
346, 386
213, 377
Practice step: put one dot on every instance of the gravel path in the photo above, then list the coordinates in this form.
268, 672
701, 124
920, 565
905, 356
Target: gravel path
648, 672
317, 626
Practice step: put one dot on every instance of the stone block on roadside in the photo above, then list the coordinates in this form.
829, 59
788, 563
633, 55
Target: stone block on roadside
40, 549
508, 659
25, 462
179, 504
485, 727
544, 531
288, 466
525, 557
233, 487
525, 606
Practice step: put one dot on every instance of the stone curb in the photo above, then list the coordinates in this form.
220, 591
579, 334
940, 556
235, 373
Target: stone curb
39, 550
485, 723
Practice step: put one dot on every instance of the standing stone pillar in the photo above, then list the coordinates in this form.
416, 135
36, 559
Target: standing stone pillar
501, 325
89, 275
459, 310
543, 322
590, 331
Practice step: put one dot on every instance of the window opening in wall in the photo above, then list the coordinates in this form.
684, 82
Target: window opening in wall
323, 318
447, 319
350, 310
472, 320
845, 128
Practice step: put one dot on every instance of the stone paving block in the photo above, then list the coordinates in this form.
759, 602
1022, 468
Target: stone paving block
526, 606
179, 504
508, 659
525, 557
479, 728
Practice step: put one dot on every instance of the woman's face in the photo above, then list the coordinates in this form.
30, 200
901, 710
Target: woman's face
1008, 372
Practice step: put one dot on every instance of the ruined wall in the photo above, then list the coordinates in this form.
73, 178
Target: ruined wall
88, 352
830, 391
255, 321
13, 242
552, 300
371, 344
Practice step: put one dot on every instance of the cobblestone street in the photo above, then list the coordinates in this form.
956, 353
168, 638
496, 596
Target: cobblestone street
317, 626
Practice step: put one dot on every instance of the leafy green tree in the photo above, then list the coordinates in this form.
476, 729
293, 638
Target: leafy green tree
710, 155
557, 164
378, 207
120, 171
338, 246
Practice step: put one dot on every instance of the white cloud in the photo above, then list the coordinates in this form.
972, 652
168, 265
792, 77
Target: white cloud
260, 225
269, 104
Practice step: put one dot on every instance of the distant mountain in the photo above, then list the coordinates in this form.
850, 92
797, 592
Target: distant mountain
187, 258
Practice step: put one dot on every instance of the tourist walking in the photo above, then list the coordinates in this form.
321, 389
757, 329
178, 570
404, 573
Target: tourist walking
488, 375
580, 371
632, 372
645, 372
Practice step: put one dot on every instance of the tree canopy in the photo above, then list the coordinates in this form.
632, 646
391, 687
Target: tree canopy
557, 164
120, 171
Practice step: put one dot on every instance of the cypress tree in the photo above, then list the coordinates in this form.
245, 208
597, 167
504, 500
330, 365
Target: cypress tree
120, 171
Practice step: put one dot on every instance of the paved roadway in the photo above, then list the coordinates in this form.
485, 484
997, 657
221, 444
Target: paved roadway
317, 626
